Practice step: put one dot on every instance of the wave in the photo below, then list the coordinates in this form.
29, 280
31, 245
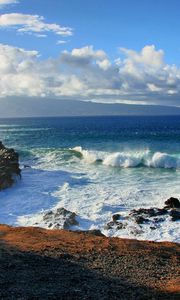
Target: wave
130, 159
19, 129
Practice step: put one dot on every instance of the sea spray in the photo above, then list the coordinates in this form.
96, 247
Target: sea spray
130, 159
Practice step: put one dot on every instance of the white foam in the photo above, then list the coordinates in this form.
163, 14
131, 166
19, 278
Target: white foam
89, 156
94, 191
163, 160
131, 159
122, 160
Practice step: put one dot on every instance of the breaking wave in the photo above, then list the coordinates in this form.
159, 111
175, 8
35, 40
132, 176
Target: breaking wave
129, 159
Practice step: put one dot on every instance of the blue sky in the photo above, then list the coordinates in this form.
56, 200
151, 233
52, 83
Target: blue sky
82, 39
105, 24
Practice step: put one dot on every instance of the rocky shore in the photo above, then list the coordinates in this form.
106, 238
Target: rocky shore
151, 217
9, 166
37, 263
57, 264
136, 221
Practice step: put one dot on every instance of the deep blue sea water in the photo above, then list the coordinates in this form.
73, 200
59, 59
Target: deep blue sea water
95, 166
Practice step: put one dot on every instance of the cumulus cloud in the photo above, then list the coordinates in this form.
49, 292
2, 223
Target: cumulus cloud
87, 74
81, 57
6, 2
32, 24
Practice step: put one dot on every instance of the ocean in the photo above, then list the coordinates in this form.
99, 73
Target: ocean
96, 167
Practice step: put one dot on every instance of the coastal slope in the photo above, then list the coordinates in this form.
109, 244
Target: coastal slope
56, 264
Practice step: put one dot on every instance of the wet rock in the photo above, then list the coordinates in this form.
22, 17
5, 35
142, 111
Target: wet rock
150, 215
175, 214
9, 166
115, 224
120, 225
26, 166
153, 227
48, 215
172, 203
112, 225
136, 231
158, 220
148, 212
140, 220
116, 217
109, 225
61, 218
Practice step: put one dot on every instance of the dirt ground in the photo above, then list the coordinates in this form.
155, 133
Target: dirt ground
55, 264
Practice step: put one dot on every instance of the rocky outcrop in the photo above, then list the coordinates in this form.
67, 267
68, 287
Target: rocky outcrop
175, 215
172, 203
149, 216
171, 208
144, 215
60, 218
9, 166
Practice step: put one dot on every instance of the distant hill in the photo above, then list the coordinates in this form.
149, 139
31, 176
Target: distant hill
36, 107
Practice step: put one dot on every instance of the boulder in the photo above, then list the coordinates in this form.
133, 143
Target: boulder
60, 218
149, 212
9, 166
152, 217
172, 203
175, 214
140, 220
115, 223
116, 217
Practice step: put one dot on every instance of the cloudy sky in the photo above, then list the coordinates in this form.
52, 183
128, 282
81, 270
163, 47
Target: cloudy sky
118, 51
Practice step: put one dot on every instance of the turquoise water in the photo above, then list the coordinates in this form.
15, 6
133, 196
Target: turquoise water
95, 166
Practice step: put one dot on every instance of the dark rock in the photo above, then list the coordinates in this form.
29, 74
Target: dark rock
109, 225
175, 214
136, 231
149, 212
26, 166
116, 217
48, 215
115, 224
120, 225
153, 227
157, 220
140, 220
9, 166
61, 218
151, 216
172, 203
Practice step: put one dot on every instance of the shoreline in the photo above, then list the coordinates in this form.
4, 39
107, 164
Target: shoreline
153, 222
38, 263
62, 264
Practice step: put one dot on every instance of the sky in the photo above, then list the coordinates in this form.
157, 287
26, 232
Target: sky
102, 51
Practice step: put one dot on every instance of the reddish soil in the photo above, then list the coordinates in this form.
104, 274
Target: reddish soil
55, 264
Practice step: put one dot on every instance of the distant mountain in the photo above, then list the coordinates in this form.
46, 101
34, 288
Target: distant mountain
36, 107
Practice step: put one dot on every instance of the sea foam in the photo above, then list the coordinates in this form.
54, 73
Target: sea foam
131, 159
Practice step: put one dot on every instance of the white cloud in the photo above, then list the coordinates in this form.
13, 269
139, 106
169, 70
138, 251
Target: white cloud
89, 52
6, 2
104, 64
87, 74
32, 24
148, 56
82, 57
